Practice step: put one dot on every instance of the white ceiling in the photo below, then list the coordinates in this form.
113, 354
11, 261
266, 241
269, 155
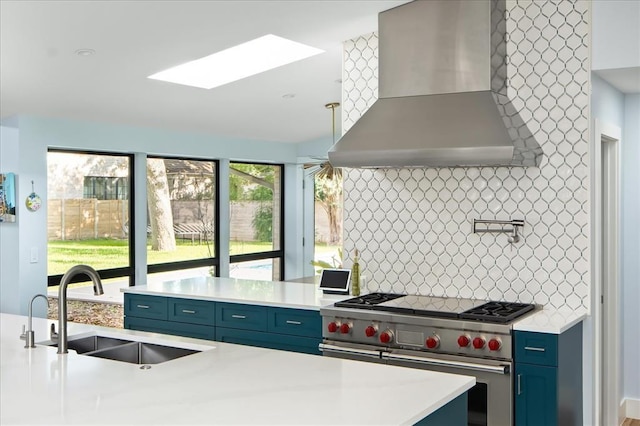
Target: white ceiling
626, 80
41, 75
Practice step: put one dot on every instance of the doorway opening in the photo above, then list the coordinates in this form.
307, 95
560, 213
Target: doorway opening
606, 273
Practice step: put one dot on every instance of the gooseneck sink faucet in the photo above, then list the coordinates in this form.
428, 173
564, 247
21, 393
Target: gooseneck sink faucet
29, 335
62, 299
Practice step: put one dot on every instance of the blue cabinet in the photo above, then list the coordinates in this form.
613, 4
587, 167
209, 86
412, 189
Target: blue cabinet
180, 317
141, 306
243, 317
536, 395
296, 330
548, 378
191, 311
169, 327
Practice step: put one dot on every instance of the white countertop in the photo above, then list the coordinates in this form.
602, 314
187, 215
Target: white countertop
225, 384
550, 320
273, 293
308, 296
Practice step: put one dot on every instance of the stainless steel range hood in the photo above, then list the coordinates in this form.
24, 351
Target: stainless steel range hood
443, 97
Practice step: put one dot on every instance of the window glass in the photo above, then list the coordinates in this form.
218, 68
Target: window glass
181, 203
255, 208
328, 218
87, 226
263, 269
181, 274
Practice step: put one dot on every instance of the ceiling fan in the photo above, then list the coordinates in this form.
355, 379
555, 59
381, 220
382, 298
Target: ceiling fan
321, 167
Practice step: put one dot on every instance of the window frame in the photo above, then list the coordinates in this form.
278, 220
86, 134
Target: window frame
205, 261
125, 271
271, 254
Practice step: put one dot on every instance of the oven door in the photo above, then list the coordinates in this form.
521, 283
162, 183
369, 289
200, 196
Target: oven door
490, 400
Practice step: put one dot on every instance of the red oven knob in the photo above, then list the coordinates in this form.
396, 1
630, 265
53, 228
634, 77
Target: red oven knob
386, 336
433, 342
370, 331
345, 328
332, 327
478, 343
494, 344
463, 341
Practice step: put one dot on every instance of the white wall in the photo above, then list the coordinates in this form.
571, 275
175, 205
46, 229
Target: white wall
611, 106
616, 29
24, 152
631, 247
607, 102
9, 274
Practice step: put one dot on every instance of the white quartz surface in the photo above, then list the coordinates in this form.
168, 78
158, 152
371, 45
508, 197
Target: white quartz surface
225, 384
274, 293
550, 320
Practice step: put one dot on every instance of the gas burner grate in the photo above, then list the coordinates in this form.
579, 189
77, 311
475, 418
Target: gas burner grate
497, 312
367, 301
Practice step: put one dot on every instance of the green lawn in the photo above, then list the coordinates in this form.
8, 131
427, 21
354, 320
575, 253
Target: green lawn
107, 253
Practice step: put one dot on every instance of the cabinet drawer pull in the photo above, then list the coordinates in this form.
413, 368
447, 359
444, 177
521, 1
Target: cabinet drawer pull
239, 316
187, 311
143, 306
294, 322
519, 380
531, 348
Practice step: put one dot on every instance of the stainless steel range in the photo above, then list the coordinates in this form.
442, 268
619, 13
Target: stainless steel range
460, 336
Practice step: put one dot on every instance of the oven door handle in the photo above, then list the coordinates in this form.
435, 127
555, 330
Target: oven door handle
499, 369
325, 347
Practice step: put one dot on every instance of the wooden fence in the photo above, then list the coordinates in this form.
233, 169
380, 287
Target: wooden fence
86, 218
82, 218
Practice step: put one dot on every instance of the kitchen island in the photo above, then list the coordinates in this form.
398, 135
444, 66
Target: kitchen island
283, 294
222, 384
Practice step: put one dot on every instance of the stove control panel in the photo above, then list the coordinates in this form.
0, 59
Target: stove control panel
479, 341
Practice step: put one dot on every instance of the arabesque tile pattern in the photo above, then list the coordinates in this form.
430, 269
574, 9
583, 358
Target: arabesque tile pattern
413, 227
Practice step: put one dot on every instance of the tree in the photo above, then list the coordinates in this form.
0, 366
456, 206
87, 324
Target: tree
328, 192
160, 214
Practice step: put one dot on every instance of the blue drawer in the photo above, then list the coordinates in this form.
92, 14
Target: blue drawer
192, 311
297, 322
269, 340
245, 317
536, 348
167, 327
153, 307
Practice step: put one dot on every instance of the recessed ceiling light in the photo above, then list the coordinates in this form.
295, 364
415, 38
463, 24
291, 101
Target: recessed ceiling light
238, 62
85, 52
289, 95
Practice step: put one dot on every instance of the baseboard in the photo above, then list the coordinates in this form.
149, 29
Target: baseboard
631, 408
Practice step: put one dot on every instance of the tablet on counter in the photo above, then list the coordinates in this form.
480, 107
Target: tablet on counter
335, 281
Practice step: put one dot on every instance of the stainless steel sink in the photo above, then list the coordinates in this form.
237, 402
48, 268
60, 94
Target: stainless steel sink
93, 343
124, 350
142, 353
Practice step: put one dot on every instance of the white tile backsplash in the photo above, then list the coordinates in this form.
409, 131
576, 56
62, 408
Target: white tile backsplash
413, 226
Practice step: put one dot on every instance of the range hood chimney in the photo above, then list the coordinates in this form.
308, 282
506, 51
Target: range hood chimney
442, 93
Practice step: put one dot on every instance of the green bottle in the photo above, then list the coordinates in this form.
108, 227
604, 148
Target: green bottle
355, 276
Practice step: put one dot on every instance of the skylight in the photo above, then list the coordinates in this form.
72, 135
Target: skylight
238, 62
